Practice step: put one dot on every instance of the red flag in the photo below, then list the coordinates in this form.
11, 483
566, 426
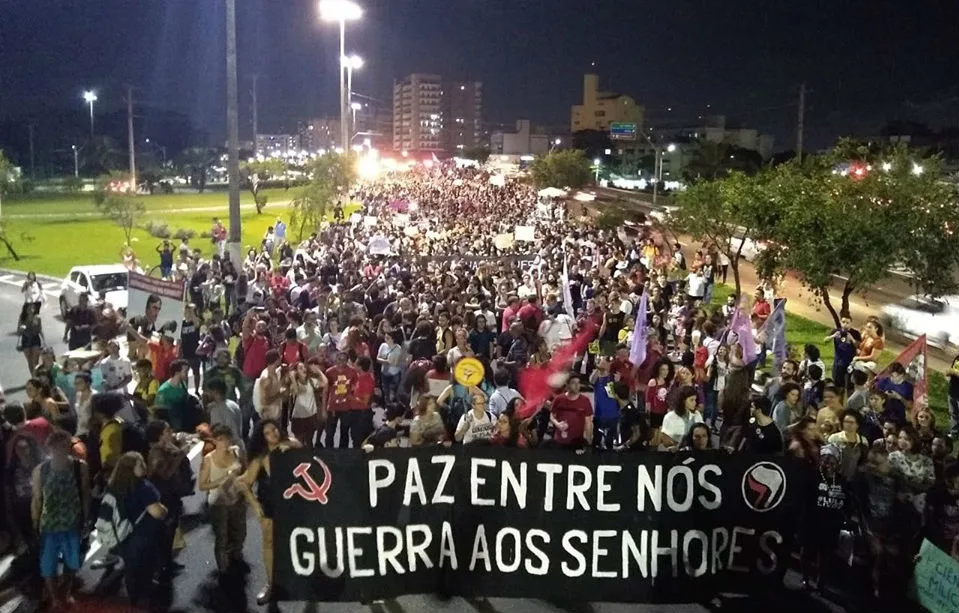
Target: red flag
538, 383
914, 359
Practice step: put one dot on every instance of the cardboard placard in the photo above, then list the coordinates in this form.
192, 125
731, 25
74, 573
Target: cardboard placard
524, 233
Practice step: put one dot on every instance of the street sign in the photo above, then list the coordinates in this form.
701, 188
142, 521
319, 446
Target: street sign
622, 130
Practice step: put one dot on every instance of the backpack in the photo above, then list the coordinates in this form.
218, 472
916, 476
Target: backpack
184, 481
111, 526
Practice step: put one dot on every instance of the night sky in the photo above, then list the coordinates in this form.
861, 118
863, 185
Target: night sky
864, 61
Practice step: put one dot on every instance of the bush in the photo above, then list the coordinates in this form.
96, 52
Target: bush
184, 233
157, 229
73, 184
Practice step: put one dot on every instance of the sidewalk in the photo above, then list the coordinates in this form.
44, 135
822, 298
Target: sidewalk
802, 302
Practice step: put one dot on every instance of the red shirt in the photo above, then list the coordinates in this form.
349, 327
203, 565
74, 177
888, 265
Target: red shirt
161, 358
254, 355
531, 316
762, 309
656, 398
363, 391
342, 382
574, 412
623, 368
293, 353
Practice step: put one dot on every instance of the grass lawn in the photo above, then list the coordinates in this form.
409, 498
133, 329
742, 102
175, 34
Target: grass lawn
801, 331
53, 246
71, 203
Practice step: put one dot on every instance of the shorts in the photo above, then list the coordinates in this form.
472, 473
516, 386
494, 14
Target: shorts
53, 545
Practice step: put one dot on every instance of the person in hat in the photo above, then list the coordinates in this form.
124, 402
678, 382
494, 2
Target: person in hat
819, 533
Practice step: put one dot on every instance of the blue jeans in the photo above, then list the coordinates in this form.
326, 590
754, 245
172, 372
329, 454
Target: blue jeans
605, 433
711, 400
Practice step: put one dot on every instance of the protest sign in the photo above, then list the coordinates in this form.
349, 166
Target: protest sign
355, 218
499, 522
369, 221
411, 231
379, 245
503, 241
936, 580
401, 219
524, 233
156, 302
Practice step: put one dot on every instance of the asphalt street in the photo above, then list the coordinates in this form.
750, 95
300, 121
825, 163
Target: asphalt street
196, 588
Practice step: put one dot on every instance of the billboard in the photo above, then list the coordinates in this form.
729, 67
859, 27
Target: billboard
622, 130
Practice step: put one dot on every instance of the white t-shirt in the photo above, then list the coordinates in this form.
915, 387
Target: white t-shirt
696, 285
304, 405
480, 429
676, 427
272, 410
114, 371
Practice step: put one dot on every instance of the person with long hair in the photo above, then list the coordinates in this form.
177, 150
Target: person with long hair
657, 390
32, 292
698, 438
804, 441
506, 432
427, 427
877, 487
681, 418
138, 502
219, 478
18, 488
30, 336
266, 438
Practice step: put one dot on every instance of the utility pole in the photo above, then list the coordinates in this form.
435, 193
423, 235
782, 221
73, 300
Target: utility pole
800, 124
255, 78
131, 140
233, 134
33, 168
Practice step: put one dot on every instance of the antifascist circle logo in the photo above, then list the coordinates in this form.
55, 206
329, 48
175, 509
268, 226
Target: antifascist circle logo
312, 491
764, 486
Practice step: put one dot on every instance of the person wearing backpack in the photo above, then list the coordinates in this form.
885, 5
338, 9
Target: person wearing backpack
477, 424
169, 470
61, 497
131, 519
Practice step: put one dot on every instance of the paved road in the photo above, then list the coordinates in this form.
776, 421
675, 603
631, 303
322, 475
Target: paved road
195, 589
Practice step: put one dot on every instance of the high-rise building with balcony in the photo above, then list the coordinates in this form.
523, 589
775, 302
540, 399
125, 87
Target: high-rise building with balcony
433, 115
418, 113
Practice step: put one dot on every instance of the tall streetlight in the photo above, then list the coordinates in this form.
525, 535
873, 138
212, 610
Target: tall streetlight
352, 62
76, 163
354, 107
90, 97
596, 165
658, 169
341, 11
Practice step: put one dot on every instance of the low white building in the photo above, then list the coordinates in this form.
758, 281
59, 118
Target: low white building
521, 142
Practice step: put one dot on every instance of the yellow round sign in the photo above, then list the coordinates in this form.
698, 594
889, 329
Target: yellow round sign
468, 372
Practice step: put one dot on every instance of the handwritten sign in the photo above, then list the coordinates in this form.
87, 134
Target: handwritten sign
369, 221
503, 241
379, 245
356, 218
936, 580
524, 233
401, 219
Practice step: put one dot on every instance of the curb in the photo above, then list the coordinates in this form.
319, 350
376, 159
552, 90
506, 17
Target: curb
22, 273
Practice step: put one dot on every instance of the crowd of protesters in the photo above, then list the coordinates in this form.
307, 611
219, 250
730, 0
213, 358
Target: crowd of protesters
349, 337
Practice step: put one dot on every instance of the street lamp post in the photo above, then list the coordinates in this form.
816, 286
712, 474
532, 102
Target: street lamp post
341, 11
352, 62
596, 164
76, 163
556, 143
90, 97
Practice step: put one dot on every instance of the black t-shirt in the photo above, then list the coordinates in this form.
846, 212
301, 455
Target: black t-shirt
630, 418
614, 323
763, 439
189, 338
79, 316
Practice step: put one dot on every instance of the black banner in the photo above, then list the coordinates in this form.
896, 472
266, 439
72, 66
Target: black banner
486, 521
